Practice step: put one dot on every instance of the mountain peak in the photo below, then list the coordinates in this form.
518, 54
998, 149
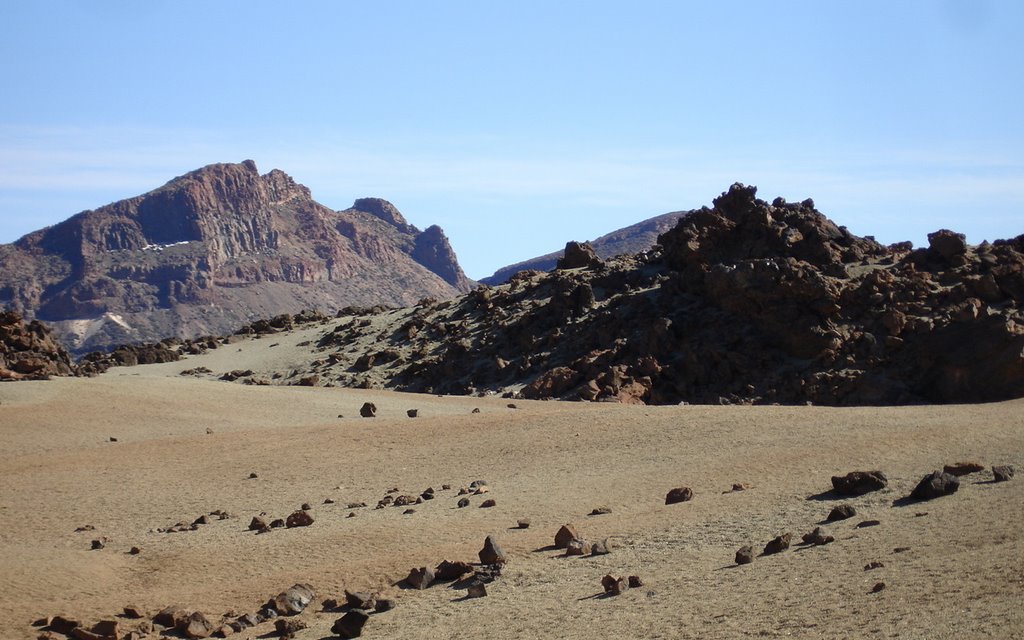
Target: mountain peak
381, 208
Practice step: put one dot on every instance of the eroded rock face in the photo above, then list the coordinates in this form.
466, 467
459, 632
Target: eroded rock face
28, 351
194, 256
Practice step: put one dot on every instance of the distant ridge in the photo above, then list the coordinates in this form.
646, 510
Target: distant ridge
214, 249
632, 239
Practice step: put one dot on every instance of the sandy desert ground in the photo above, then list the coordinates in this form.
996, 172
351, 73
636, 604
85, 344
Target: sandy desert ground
961, 574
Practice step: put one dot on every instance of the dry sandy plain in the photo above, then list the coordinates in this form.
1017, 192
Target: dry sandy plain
962, 575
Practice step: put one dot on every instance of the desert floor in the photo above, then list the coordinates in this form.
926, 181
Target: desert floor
961, 575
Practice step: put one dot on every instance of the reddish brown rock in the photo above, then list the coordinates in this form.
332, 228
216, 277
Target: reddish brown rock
614, 586
351, 624
679, 494
778, 544
447, 570
491, 552
292, 601
745, 555
566, 534
935, 485
858, 483
963, 468
368, 410
1002, 473
420, 578
299, 518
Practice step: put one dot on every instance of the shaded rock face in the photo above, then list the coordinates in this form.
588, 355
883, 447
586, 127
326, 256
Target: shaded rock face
28, 351
213, 249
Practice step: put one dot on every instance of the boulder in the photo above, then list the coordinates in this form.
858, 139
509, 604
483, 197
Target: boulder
170, 617
679, 494
420, 578
384, 604
351, 624
492, 553
578, 547
635, 582
1002, 473
196, 626
857, 483
288, 627
300, 518
476, 590
463, 502
368, 410
565, 535
488, 503
448, 570
360, 599
578, 254
778, 544
292, 601
613, 586
601, 548
947, 244
745, 555
935, 485
841, 512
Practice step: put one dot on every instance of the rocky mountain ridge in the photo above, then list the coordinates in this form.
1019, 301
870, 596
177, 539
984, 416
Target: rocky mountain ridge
632, 239
215, 249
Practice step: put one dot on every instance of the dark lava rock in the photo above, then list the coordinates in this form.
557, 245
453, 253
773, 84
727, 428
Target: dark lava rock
300, 518
841, 512
868, 523
600, 511
963, 468
476, 590
613, 586
1002, 473
292, 601
635, 582
679, 494
817, 537
463, 502
360, 599
935, 485
351, 624
745, 555
448, 570
368, 410
601, 548
420, 578
488, 503
492, 553
858, 483
778, 544
566, 534
578, 254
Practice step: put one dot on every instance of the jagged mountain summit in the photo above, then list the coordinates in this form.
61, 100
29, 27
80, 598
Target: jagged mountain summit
632, 239
744, 302
214, 249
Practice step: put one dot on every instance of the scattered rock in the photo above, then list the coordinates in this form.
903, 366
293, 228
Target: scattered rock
196, 626
201, 520
739, 486
523, 523
299, 518
306, 506
873, 565
482, 489
412, 413
901, 549
857, 483
384, 604
601, 548
292, 601
253, 476
635, 582
277, 523
841, 512
170, 616
351, 624
578, 547
360, 599
448, 570
1002, 473
100, 542
328, 501
87, 527
600, 511
745, 555
863, 524
288, 627
420, 578
963, 468
408, 512
106, 629
475, 410
565, 535
487, 503
477, 590
778, 544
878, 587
614, 586
368, 410
935, 485
259, 523
134, 551
512, 405
464, 502
576, 255
679, 494
492, 553
817, 537
133, 613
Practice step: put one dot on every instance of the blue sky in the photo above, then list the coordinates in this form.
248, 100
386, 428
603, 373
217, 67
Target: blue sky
518, 126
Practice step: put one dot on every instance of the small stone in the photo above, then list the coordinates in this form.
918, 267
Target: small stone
420, 578
578, 547
601, 548
745, 555
512, 405
368, 410
613, 586
408, 512
384, 604
868, 523
935, 485
289, 626
878, 587
778, 544
278, 523
475, 410
566, 534
679, 494
445, 487
476, 590
487, 504
963, 468
106, 629
135, 551
258, 523
351, 624
464, 502
841, 512
482, 490
253, 476
901, 549
328, 501
412, 413
523, 523
817, 537
99, 543
858, 483
635, 582
113, 439
292, 601
873, 565
299, 518
448, 570
600, 511
133, 613
360, 599
196, 626
1002, 473
201, 520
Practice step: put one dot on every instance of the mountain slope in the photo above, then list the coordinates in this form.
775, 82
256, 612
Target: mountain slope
745, 302
632, 239
214, 249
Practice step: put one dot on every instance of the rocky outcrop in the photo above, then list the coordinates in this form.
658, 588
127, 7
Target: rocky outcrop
215, 249
28, 350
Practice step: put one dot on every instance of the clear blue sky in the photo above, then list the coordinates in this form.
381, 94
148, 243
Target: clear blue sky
517, 126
